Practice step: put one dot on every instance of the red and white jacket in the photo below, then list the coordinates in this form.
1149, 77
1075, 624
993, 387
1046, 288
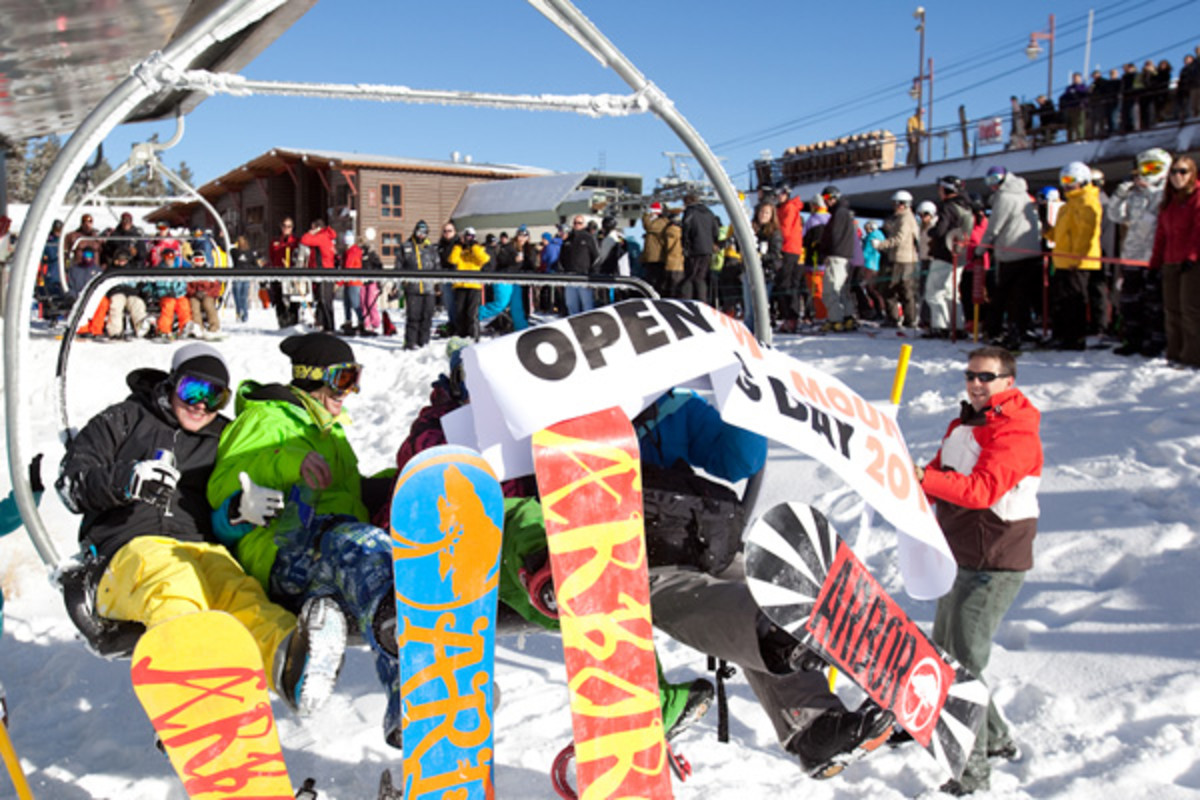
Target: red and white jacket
985, 480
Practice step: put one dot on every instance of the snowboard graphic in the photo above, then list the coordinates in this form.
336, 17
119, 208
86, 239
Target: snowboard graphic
200, 679
589, 477
447, 523
812, 585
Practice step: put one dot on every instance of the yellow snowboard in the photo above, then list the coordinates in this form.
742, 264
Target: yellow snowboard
200, 679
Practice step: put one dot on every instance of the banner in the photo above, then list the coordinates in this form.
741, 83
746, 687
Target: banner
629, 353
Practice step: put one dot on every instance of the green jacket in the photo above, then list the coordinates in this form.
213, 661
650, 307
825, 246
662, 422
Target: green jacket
275, 428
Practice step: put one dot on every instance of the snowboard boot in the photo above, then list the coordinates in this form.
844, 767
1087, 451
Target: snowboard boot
1007, 751
838, 738
683, 704
310, 658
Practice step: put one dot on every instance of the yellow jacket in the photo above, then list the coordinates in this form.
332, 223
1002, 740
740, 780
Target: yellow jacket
1077, 230
470, 259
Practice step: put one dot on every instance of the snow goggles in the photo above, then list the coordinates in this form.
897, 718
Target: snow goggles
984, 377
1067, 181
192, 390
341, 378
1149, 168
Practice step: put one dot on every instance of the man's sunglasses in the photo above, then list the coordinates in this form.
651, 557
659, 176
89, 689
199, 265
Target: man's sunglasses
984, 377
192, 391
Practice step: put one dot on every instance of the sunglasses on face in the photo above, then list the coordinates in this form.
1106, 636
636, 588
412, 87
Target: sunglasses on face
192, 391
1180, 171
983, 377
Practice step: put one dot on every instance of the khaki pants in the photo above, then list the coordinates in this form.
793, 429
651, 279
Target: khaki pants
117, 304
152, 579
204, 312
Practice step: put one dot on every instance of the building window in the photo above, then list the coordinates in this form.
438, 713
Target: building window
389, 243
392, 196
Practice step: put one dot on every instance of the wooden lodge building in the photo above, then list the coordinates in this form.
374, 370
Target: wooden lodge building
351, 191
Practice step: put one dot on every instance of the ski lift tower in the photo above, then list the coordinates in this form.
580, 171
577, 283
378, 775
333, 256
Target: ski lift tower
682, 181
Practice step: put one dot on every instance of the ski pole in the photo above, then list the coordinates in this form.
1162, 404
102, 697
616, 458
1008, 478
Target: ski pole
14, 765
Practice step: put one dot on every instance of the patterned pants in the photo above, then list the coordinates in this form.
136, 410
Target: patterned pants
351, 561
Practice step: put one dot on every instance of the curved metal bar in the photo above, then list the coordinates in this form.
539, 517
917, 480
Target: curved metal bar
572, 22
277, 273
229, 19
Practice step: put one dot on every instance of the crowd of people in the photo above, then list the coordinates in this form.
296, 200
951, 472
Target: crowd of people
1126, 99
1119, 265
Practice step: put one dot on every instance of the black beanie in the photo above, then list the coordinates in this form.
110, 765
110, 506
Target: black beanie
314, 350
201, 361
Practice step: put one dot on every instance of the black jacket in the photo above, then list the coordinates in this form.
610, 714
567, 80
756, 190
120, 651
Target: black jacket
701, 230
954, 224
414, 256
98, 463
838, 235
579, 251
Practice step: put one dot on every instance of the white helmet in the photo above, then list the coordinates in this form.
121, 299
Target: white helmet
1075, 175
1152, 165
927, 207
902, 196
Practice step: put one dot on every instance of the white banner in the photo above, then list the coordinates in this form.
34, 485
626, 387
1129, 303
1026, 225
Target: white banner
629, 353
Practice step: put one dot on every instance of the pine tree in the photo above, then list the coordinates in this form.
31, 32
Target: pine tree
45, 150
185, 174
16, 167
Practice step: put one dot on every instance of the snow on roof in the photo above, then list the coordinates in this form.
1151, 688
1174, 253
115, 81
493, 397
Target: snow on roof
524, 195
366, 159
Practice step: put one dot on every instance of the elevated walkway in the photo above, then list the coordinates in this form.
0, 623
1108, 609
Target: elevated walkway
870, 194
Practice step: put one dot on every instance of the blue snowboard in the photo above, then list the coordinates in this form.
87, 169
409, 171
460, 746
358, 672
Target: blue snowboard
447, 524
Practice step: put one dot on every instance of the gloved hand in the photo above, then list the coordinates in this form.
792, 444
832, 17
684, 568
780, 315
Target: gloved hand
35, 474
256, 504
153, 482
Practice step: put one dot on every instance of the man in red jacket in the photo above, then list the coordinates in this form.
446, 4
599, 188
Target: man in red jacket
984, 480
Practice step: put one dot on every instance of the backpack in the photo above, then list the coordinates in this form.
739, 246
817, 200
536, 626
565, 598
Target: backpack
690, 520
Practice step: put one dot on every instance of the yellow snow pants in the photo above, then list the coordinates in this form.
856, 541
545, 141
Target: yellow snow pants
154, 578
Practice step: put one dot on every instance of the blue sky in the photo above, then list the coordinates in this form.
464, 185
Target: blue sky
749, 75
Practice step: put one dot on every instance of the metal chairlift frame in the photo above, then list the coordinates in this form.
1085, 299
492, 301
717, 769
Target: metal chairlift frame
165, 71
145, 154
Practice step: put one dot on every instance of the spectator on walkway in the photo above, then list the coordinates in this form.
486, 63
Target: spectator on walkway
915, 132
1073, 104
1131, 91
1187, 91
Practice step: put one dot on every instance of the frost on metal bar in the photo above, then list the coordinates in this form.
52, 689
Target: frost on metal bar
592, 105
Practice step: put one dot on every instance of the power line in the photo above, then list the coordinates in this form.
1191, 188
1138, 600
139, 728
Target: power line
972, 63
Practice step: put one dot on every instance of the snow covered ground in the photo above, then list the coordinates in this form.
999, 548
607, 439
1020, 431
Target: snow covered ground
1097, 665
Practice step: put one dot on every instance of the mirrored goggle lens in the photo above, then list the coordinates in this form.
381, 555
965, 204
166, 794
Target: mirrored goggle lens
192, 390
1151, 167
343, 378
1067, 180
992, 179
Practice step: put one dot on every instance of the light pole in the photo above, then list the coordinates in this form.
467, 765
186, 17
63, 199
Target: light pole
919, 16
1033, 50
918, 87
